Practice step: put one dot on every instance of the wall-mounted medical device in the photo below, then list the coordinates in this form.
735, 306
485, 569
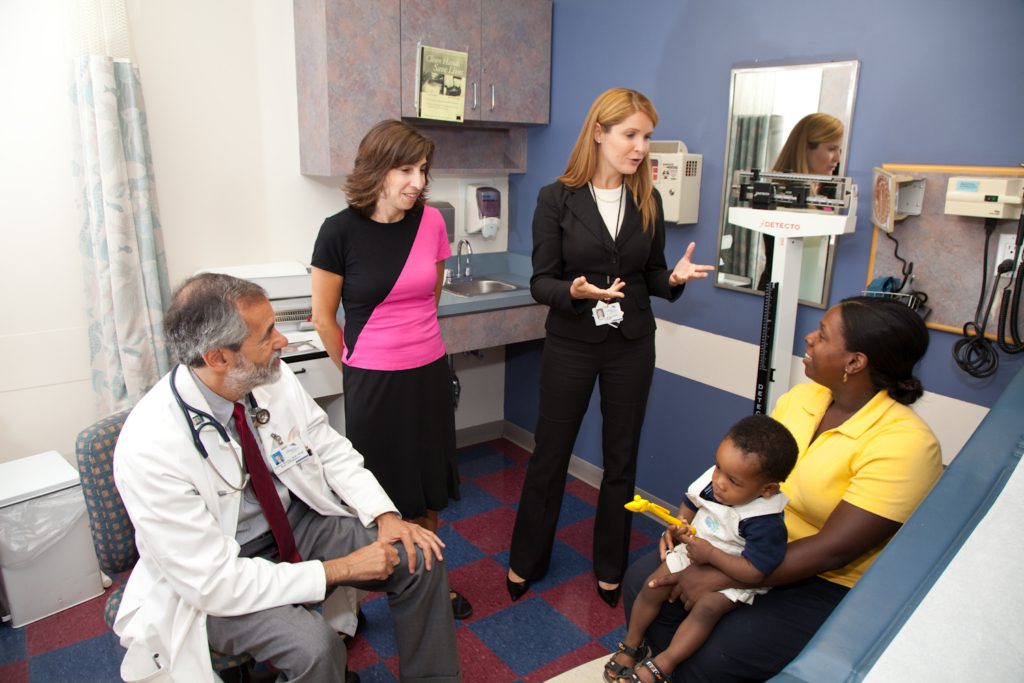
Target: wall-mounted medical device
483, 210
894, 197
676, 175
984, 197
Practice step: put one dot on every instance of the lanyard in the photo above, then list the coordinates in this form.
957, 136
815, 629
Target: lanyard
618, 221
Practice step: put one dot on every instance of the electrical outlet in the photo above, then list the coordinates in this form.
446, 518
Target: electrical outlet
1006, 248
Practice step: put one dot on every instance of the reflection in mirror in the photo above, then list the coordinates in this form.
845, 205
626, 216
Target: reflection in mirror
765, 105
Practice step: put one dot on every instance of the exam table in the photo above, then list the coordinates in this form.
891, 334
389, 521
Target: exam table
944, 601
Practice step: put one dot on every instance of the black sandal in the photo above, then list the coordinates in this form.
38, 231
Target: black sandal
613, 671
634, 677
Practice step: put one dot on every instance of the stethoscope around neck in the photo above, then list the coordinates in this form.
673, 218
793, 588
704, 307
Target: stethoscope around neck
198, 420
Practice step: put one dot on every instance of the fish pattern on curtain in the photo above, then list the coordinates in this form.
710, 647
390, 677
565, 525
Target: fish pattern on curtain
120, 238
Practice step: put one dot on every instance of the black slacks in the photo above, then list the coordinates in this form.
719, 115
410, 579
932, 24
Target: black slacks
751, 643
623, 369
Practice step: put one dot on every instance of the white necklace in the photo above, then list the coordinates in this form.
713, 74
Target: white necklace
601, 194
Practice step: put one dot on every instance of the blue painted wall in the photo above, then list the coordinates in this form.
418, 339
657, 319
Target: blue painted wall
941, 82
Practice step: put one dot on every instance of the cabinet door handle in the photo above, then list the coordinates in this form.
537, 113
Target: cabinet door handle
492, 97
299, 371
475, 103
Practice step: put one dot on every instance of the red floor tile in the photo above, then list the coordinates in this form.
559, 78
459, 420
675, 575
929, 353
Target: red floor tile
582, 490
478, 662
489, 531
511, 450
505, 485
577, 599
14, 673
361, 654
483, 584
71, 626
579, 536
392, 665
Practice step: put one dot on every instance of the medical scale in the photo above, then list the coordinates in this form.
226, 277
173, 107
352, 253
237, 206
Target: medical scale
788, 207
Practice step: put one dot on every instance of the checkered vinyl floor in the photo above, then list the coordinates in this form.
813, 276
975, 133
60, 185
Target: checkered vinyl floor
558, 625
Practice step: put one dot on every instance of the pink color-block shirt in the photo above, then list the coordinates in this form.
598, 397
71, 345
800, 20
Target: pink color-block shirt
390, 272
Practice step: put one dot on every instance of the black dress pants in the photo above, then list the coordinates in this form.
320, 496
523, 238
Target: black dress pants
623, 369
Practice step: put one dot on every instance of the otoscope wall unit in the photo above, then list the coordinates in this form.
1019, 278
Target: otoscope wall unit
984, 197
949, 241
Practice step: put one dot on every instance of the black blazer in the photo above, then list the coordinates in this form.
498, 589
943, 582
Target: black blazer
570, 239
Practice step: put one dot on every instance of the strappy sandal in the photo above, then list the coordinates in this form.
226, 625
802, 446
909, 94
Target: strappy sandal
613, 671
634, 677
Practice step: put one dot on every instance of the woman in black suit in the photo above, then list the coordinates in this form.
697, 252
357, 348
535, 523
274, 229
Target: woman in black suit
598, 257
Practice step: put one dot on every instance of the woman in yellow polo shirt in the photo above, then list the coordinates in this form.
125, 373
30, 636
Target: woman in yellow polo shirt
866, 461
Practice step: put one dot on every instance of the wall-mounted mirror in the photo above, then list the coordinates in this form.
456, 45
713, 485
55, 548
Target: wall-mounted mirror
765, 103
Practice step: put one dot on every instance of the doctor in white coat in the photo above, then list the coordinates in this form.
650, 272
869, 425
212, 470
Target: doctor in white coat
194, 586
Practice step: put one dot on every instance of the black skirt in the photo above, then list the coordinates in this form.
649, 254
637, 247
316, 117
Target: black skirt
403, 424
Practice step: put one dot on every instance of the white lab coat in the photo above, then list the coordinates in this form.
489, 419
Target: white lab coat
185, 518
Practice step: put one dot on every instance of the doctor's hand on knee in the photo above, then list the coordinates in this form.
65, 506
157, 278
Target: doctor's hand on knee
373, 562
393, 529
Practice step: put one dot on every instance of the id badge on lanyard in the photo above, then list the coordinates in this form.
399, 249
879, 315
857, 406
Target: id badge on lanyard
607, 314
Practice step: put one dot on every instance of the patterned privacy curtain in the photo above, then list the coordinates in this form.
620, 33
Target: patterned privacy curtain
122, 248
756, 142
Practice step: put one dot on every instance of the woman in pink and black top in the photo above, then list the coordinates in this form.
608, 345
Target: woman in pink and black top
382, 259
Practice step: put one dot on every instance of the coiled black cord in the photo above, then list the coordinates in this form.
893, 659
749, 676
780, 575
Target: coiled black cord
975, 354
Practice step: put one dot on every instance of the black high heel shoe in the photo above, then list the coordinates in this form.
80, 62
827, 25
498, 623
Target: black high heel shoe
610, 595
516, 589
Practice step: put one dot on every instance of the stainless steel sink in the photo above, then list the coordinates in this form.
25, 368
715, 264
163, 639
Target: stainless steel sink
479, 286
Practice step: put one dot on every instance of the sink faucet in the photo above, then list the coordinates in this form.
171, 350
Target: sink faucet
459, 272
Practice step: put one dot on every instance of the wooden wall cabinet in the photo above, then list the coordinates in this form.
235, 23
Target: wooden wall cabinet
356, 65
509, 47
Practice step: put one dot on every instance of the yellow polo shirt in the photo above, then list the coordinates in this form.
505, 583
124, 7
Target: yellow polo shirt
884, 460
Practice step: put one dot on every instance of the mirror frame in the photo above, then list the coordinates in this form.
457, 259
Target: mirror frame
847, 118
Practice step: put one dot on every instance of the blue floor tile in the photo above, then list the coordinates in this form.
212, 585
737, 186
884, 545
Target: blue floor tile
573, 510
97, 660
612, 640
479, 461
529, 634
474, 500
457, 550
378, 673
12, 644
380, 631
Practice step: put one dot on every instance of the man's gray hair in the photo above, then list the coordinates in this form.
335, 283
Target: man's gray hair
204, 315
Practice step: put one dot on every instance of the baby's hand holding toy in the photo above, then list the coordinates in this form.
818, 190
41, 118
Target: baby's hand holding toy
697, 549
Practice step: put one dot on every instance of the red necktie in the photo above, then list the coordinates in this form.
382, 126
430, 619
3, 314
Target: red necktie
263, 487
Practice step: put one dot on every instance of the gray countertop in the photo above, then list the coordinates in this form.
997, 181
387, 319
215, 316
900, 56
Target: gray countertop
513, 268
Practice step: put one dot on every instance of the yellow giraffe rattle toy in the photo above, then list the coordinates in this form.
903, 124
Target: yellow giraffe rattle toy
639, 504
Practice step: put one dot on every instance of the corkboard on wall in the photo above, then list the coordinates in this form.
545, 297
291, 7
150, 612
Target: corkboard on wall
947, 251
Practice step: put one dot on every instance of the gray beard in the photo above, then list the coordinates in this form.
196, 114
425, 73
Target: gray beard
247, 375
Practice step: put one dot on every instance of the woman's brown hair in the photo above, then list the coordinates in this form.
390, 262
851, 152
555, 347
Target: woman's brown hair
610, 108
808, 133
388, 145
